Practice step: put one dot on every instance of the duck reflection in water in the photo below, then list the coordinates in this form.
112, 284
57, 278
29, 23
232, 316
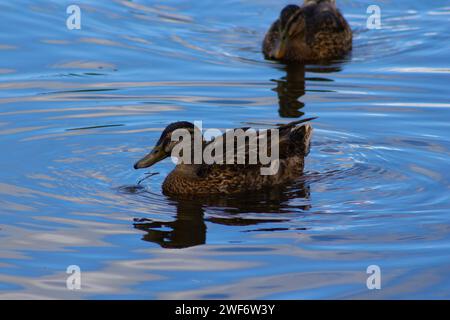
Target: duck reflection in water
189, 228
291, 88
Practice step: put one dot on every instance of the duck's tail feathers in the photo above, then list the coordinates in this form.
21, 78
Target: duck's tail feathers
294, 123
300, 135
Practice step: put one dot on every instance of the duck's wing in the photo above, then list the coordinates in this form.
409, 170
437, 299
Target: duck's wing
237, 145
295, 138
247, 143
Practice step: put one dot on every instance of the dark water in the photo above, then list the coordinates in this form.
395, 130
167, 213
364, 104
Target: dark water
77, 108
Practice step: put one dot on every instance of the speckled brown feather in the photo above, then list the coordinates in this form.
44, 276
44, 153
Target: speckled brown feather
294, 141
327, 35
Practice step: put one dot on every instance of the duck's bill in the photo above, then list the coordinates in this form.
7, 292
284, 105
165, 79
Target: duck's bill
153, 157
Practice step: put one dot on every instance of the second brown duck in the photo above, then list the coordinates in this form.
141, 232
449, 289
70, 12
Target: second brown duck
311, 33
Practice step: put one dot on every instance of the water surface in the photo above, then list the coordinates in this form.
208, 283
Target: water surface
77, 108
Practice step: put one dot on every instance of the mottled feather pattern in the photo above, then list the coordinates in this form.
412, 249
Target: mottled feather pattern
326, 36
236, 178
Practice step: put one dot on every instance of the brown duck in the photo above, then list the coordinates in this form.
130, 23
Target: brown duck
314, 32
202, 178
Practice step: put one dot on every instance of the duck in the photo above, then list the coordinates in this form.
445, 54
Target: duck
312, 33
192, 177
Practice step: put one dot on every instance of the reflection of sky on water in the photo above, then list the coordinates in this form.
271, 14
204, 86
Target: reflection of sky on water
77, 108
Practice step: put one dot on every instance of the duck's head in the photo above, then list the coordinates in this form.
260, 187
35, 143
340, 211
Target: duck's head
291, 26
164, 146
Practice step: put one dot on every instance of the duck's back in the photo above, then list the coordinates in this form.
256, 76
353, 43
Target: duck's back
327, 32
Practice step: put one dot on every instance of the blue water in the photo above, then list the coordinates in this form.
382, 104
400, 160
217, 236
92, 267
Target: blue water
79, 107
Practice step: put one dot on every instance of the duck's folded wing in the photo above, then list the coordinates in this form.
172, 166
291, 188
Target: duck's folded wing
245, 147
239, 146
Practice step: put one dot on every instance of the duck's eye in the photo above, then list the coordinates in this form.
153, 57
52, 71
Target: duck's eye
288, 11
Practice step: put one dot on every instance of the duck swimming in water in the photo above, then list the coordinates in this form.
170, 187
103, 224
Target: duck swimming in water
192, 178
314, 32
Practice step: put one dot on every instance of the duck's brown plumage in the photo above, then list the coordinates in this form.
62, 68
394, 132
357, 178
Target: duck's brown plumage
314, 32
191, 179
